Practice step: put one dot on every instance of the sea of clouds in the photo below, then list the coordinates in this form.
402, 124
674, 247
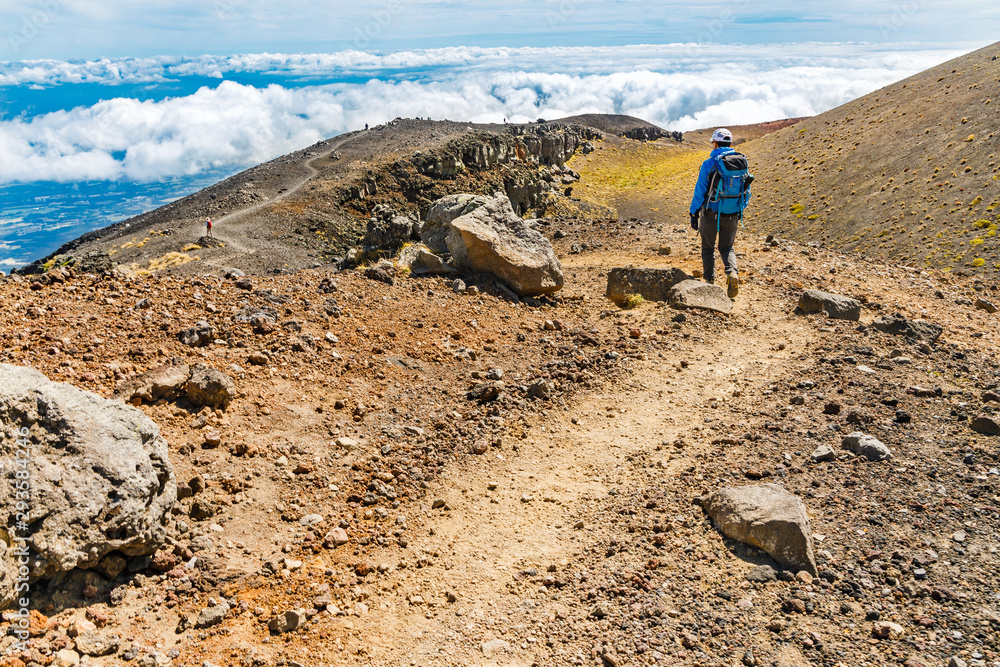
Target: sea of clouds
312, 97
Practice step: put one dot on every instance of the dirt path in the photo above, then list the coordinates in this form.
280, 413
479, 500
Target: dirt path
535, 509
232, 238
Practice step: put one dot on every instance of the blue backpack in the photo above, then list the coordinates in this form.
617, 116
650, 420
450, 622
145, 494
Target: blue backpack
729, 183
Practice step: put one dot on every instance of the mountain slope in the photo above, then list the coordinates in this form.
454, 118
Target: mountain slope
907, 173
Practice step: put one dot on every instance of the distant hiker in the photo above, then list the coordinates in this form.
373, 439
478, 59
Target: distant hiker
721, 194
208, 228
366, 127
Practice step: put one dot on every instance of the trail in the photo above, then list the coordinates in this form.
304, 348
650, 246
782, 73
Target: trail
507, 512
232, 240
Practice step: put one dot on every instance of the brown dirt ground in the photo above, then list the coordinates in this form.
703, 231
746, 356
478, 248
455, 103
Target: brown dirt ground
572, 539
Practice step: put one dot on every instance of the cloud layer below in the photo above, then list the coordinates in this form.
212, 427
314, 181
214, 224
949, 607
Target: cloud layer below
680, 87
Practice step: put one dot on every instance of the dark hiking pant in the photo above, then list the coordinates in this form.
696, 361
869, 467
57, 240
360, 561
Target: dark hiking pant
725, 231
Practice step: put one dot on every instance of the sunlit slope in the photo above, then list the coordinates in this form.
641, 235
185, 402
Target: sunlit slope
908, 173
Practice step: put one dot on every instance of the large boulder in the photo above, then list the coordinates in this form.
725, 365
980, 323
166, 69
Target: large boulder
835, 306
766, 517
650, 284
438, 220
699, 295
899, 325
420, 261
494, 240
100, 478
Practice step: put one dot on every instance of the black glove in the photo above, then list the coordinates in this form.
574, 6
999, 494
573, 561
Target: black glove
694, 221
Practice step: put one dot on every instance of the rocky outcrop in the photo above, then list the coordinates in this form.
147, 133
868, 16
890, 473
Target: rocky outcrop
552, 143
100, 477
494, 240
388, 229
650, 284
835, 306
652, 133
701, 296
766, 517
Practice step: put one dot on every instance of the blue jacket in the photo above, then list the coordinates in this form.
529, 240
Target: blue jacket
701, 187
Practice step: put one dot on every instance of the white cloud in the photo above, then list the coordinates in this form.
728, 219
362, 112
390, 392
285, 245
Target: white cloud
681, 87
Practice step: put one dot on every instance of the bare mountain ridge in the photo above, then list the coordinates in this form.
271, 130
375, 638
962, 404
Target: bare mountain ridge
907, 174
304, 209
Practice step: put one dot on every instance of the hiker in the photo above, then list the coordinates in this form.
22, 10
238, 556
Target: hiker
208, 228
720, 195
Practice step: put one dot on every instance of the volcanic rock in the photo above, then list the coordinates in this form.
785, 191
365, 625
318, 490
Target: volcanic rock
99, 469
766, 517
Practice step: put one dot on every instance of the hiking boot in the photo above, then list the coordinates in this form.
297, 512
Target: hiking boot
733, 285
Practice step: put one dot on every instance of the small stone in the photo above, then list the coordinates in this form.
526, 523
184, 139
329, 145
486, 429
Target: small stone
985, 425
959, 536
287, 621
66, 658
335, 538
762, 574
212, 440
80, 626
920, 574
983, 304
867, 446
824, 453
887, 630
480, 447
494, 646
955, 661
210, 616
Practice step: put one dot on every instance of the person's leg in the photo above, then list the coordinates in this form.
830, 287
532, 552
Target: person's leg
727, 239
709, 231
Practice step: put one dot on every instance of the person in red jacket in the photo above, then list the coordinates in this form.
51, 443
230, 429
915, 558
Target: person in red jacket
208, 228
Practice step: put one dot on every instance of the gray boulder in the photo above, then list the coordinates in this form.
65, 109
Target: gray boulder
420, 261
650, 284
899, 325
493, 239
211, 387
699, 295
101, 479
766, 517
199, 335
835, 306
438, 221
867, 446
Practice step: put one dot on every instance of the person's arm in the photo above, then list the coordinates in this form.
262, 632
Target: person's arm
701, 187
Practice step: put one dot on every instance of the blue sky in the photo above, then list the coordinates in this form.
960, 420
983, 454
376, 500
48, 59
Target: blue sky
88, 29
